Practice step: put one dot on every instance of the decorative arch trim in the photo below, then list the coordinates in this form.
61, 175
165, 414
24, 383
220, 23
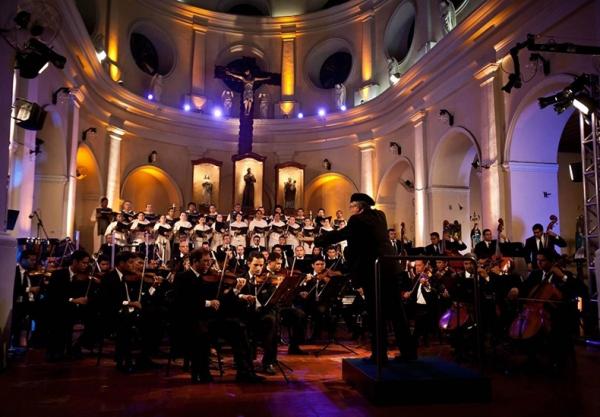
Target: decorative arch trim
158, 173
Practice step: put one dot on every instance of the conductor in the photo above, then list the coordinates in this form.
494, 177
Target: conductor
367, 237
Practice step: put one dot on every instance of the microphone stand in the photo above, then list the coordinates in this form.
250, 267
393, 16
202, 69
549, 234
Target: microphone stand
40, 224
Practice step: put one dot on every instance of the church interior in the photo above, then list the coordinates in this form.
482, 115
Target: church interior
465, 122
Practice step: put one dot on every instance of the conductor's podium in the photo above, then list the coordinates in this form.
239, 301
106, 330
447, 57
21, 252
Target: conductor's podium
426, 381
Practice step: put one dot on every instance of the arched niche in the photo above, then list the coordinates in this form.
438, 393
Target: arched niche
148, 184
320, 53
330, 191
531, 155
395, 196
454, 191
399, 32
89, 191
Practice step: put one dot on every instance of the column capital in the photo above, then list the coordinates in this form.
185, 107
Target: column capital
366, 146
418, 117
288, 32
77, 94
199, 24
486, 73
115, 133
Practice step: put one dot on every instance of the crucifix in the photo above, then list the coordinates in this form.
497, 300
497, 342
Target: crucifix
245, 77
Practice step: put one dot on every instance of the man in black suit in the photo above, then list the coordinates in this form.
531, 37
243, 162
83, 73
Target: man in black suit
421, 297
222, 250
23, 298
67, 300
367, 237
255, 246
202, 313
487, 247
539, 241
435, 247
303, 262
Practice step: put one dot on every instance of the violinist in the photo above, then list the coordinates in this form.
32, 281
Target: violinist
255, 246
422, 301
238, 264
103, 266
68, 290
260, 316
130, 307
303, 262
333, 260
225, 248
23, 298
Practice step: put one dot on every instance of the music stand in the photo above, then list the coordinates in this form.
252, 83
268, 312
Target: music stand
513, 249
284, 296
328, 296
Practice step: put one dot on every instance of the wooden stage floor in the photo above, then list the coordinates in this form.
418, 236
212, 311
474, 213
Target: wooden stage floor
33, 388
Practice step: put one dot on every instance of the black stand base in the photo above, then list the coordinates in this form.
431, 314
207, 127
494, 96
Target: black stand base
426, 381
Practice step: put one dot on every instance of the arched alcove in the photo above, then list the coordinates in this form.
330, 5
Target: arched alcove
331, 53
330, 191
148, 184
532, 158
89, 191
395, 196
399, 31
453, 183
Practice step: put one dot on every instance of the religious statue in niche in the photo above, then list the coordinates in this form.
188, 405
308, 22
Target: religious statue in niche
263, 100
289, 194
248, 95
207, 189
248, 194
227, 99
393, 68
340, 95
156, 85
448, 13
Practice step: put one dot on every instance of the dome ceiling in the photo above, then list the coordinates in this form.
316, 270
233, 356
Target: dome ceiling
274, 8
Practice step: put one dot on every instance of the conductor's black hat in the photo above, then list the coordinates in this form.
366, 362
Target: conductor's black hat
362, 197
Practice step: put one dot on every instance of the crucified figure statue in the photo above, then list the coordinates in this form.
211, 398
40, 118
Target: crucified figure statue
248, 79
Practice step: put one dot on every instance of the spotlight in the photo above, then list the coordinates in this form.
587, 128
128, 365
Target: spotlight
326, 164
395, 148
90, 131
218, 113
35, 57
152, 157
394, 78
101, 55
447, 117
55, 94
514, 81
38, 147
321, 112
584, 104
150, 96
300, 115
476, 164
28, 115
576, 172
99, 47
343, 108
544, 61
409, 184
187, 107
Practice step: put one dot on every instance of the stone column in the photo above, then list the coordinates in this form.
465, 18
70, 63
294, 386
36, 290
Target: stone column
75, 100
113, 180
287, 104
367, 156
421, 203
369, 88
8, 245
492, 145
22, 163
197, 96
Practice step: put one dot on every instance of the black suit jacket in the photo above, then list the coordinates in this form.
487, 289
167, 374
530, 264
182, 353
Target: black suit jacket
250, 249
482, 251
190, 297
367, 237
531, 249
19, 288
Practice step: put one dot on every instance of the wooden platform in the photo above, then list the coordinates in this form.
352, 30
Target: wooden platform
426, 381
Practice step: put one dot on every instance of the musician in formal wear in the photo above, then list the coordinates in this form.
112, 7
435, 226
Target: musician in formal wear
259, 226
487, 247
163, 232
24, 294
255, 246
422, 301
220, 229
367, 238
127, 212
203, 314
238, 229
101, 217
303, 262
201, 232
277, 229
121, 228
539, 241
225, 248
68, 295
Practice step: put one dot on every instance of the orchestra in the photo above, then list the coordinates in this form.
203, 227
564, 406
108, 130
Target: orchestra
196, 277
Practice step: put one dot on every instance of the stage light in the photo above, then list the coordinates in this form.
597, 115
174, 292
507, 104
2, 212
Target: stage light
101, 55
446, 117
88, 132
584, 104
394, 78
150, 96
187, 107
343, 108
300, 115
321, 112
395, 148
28, 115
326, 164
218, 113
576, 172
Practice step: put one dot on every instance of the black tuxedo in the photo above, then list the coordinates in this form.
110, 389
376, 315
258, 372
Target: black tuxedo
250, 249
531, 247
221, 251
483, 251
367, 237
304, 265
